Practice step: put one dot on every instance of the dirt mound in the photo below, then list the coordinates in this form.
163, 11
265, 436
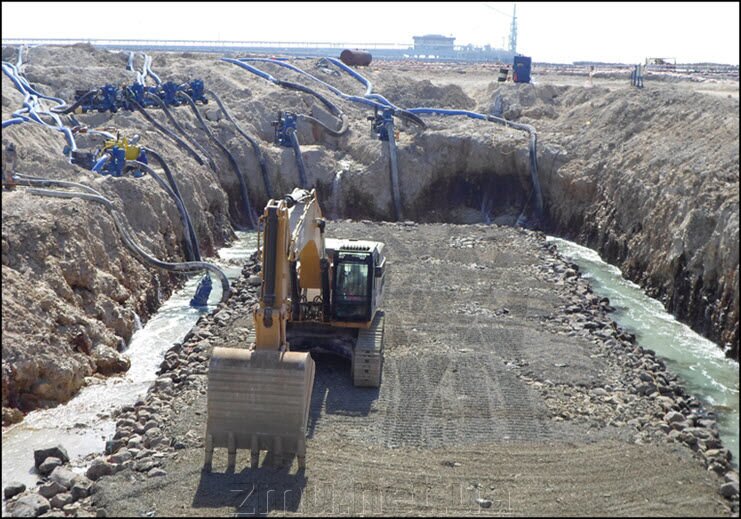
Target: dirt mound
410, 93
525, 101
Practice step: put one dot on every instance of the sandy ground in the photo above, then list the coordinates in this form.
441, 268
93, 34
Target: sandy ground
478, 401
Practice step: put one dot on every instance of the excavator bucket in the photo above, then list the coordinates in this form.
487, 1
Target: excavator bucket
258, 400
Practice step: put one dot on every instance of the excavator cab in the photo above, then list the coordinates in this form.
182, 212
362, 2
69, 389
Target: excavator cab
352, 295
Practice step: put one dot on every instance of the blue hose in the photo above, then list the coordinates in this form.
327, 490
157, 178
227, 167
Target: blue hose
144, 70
399, 112
31, 105
70, 139
352, 98
295, 69
368, 85
14, 120
151, 72
102, 161
252, 69
27, 86
8, 69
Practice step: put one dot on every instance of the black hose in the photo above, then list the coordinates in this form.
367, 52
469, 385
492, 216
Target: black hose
299, 159
188, 234
182, 131
532, 153
336, 133
72, 108
240, 177
302, 88
174, 186
334, 110
46, 182
131, 244
409, 116
180, 142
251, 140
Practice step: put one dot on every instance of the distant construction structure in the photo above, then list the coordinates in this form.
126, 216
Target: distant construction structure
434, 44
513, 31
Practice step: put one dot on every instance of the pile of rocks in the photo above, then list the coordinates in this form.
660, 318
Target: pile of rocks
140, 443
61, 492
635, 391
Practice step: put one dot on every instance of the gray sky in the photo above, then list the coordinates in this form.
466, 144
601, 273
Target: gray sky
548, 31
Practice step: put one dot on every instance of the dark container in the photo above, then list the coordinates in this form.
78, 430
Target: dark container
355, 58
521, 69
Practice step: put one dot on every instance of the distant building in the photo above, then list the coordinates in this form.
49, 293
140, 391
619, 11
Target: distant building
434, 44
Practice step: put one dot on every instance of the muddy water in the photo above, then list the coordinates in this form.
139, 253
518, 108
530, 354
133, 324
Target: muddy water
83, 424
700, 364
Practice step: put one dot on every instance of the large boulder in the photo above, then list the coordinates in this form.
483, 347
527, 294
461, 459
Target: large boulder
40, 455
99, 468
13, 489
51, 489
31, 505
109, 361
63, 476
81, 487
49, 464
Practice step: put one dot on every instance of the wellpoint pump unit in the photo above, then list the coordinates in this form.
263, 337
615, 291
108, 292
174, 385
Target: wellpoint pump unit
521, 69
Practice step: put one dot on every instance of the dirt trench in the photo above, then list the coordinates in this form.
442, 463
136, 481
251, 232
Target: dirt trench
83, 287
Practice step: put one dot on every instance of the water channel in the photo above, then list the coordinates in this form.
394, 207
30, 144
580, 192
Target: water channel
700, 364
83, 424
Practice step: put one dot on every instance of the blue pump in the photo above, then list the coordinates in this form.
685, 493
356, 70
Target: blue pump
284, 126
202, 292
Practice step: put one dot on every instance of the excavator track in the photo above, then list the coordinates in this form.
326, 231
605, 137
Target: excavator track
367, 358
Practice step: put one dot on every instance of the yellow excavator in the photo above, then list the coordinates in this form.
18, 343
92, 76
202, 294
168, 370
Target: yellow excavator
316, 292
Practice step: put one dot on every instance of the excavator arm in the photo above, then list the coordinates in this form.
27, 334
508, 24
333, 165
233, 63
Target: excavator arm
259, 396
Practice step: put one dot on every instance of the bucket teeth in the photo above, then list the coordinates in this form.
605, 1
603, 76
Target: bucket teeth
258, 400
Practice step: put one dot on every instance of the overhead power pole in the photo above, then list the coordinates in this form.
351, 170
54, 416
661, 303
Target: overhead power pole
513, 30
